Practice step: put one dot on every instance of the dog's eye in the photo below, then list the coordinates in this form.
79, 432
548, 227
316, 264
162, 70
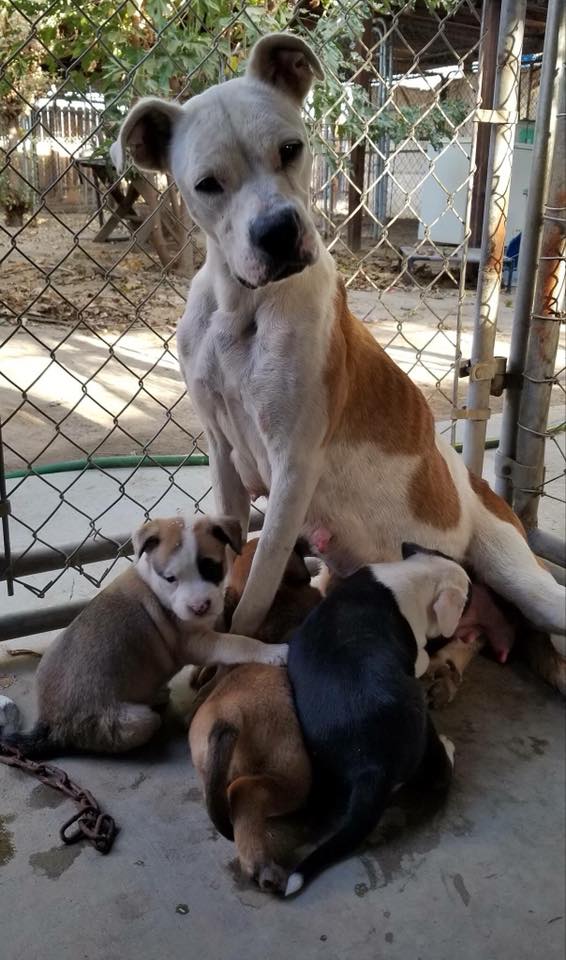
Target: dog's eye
289, 152
209, 185
170, 579
210, 570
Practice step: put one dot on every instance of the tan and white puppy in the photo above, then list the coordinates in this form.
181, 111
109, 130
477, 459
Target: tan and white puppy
99, 679
297, 398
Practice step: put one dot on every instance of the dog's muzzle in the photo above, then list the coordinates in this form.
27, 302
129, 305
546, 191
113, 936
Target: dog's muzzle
277, 236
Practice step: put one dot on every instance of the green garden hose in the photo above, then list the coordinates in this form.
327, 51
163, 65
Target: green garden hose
115, 463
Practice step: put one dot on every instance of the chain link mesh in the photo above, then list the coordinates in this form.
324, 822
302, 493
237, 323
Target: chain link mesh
96, 269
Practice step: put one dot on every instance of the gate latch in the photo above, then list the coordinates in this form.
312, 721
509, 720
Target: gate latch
493, 370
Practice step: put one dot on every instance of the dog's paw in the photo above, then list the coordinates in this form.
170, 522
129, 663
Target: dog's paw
10, 717
277, 655
443, 684
272, 878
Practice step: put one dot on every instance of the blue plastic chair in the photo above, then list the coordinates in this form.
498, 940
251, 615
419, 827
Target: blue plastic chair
511, 259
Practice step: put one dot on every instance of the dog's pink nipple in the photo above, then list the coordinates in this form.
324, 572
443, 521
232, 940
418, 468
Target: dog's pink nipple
320, 539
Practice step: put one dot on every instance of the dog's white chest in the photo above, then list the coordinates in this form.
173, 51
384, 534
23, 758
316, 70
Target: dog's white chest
226, 377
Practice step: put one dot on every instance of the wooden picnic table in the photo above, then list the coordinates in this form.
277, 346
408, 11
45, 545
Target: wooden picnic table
159, 220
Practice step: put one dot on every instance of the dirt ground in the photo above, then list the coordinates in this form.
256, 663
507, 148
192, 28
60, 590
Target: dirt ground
91, 368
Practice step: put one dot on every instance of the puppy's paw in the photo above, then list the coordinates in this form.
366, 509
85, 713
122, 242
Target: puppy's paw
10, 717
272, 878
277, 654
443, 683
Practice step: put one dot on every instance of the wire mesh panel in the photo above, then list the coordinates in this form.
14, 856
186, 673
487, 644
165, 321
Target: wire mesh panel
95, 268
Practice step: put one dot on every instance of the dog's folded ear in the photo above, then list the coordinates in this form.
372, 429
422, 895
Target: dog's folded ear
147, 132
228, 531
286, 62
146, 538
448, 608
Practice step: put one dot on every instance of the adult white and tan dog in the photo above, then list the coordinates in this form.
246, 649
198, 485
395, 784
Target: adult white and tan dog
297, 399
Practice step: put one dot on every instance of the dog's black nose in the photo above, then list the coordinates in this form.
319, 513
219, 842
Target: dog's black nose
277, 234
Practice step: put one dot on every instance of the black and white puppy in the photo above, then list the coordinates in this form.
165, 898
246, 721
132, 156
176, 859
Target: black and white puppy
353, 666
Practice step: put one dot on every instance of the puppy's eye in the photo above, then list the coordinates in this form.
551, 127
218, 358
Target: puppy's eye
209, 185
289, 152
210, 570
170, 579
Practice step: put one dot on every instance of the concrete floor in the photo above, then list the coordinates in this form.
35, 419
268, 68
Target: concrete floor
482, 880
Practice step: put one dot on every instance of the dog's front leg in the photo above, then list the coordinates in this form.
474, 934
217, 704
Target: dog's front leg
292, 487
229, 648
232, 498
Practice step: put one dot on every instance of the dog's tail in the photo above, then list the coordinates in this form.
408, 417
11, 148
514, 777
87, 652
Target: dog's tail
221, 742
364, 808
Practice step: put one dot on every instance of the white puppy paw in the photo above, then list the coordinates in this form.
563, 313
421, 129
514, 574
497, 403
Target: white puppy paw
277, 655
10, 717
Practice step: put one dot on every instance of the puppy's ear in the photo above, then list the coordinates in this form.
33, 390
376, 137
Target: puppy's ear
448, 608
147, 132
146, 538
286, 62
228, 531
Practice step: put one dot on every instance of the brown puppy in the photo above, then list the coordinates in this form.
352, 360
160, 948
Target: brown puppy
245, 739
293, 601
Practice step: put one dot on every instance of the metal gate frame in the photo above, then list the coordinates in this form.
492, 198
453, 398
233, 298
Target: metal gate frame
539, 306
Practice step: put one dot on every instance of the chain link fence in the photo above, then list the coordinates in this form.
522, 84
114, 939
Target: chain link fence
95, 268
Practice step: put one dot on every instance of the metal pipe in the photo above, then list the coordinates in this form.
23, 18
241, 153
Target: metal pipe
505, 102
545, 129
490, 17
5, 563
44, 559
28, 622
548, 546
548, 305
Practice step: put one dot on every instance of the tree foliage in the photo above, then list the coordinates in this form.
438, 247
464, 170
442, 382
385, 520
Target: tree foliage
177, 48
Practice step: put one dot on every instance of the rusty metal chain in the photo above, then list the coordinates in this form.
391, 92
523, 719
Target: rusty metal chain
90, 823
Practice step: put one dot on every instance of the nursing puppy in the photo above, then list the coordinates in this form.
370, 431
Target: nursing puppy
294, 599
353, 666
97, 682
245, 740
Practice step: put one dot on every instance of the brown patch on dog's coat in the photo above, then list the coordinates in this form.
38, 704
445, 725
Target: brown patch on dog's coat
494, 503
363, 384
432, 493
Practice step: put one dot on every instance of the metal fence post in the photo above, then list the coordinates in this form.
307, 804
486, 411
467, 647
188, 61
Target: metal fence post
504, 117
548, 306
553, 55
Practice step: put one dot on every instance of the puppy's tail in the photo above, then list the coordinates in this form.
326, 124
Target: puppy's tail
365, 806
221, 743
38, 744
